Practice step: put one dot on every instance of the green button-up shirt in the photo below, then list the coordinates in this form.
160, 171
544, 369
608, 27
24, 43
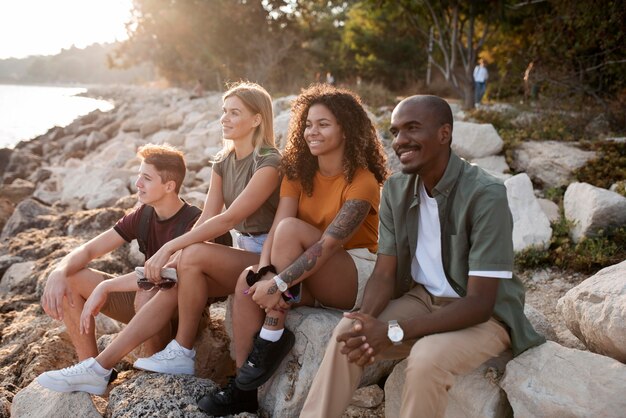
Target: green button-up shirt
476, 234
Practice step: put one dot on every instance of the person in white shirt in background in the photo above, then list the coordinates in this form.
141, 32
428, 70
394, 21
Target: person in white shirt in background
480, 81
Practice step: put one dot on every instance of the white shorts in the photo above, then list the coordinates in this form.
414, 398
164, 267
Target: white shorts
364, 261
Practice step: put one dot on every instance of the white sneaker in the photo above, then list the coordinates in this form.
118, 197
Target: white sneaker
80, 377
172, 360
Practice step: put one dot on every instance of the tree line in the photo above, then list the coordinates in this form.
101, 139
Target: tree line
561, 48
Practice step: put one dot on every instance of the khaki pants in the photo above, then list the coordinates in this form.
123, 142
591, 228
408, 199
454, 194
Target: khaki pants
433, 361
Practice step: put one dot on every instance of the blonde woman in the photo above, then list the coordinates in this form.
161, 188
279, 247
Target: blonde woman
243, 195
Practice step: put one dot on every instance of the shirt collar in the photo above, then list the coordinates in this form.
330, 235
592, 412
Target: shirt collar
450, 176
448, 180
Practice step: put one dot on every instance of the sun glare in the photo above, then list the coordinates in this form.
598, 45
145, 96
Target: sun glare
44, 27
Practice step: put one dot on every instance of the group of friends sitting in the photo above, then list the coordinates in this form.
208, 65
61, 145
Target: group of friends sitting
423, 270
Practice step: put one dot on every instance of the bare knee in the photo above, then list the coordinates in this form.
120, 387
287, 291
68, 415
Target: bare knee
193, 255
290, 228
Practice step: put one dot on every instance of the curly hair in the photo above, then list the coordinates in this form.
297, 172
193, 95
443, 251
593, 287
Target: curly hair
363, 148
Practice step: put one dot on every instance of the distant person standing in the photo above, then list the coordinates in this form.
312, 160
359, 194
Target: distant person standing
330, 79
480, 81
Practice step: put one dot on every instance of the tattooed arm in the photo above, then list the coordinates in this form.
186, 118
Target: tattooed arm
346, 223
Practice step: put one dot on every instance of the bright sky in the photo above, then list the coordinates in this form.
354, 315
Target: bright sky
44, 27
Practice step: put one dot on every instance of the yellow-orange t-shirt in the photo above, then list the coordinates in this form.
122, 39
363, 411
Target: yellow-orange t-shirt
329, 195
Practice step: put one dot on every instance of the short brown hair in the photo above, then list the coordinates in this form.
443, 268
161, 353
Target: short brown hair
168, 161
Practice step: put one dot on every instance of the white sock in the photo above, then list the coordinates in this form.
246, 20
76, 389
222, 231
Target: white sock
270, 334
186, 351
100, 371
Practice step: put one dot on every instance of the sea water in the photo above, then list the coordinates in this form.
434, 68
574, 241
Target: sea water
29, 111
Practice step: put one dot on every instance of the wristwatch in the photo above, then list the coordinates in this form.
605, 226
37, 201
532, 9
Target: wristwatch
282, 286
395, 332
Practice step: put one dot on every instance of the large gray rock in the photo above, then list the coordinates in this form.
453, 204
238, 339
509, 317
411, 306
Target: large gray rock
28, 214
554, 381
18, 279
37, 401
540, 322
595, 311
475, 140
475, 395
493, 164
551, 209
550, 162
158, 395
284, 394
281, 128
591, 209
531, 227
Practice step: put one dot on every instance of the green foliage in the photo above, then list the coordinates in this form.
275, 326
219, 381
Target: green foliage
587, 256
373, 94
608, 167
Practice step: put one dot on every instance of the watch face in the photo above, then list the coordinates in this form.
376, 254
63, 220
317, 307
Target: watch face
395, 334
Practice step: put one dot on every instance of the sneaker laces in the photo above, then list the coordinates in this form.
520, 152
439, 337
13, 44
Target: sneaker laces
74, 370
168, 353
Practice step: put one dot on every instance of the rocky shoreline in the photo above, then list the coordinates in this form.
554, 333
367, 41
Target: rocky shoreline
68, 185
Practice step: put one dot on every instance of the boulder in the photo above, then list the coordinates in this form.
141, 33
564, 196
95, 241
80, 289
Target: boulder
28, 214
149, 126
592, 209
154, 394
18, 279
531, 227
475, 394
368, 397
551, 210
6, 210
36, 401
174, 120
550, 163
281, 128
475, 140
492, 163
554, 381
17, 191
595, 311
284, 394
22, 164
540, 323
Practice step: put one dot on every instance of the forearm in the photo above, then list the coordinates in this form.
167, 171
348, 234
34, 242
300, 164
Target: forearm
207, 231
126, 283
378, 292
463, 313
310, 261
75, 261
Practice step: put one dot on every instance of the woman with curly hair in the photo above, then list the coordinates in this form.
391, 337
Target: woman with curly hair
321, 248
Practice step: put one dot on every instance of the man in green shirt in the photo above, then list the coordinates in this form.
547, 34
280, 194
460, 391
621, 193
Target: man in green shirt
442, 292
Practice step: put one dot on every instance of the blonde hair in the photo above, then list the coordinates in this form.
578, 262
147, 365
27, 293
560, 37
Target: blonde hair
167, 160
257, 100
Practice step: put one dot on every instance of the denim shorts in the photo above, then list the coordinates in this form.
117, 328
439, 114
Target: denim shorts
253, 244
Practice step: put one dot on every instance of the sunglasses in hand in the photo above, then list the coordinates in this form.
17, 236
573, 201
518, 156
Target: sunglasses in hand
168, 279
165, 284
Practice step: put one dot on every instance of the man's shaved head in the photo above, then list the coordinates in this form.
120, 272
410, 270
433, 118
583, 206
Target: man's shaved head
439, 109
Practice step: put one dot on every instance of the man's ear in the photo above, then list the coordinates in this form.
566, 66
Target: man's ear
170, 186
445, 134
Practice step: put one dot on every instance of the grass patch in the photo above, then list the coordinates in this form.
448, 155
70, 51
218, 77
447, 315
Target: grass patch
607, 168
587, 256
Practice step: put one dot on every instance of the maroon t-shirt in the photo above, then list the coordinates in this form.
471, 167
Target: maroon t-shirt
159, 232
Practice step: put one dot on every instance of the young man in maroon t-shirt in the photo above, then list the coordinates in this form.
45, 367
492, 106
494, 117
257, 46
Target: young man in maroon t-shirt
73, 286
